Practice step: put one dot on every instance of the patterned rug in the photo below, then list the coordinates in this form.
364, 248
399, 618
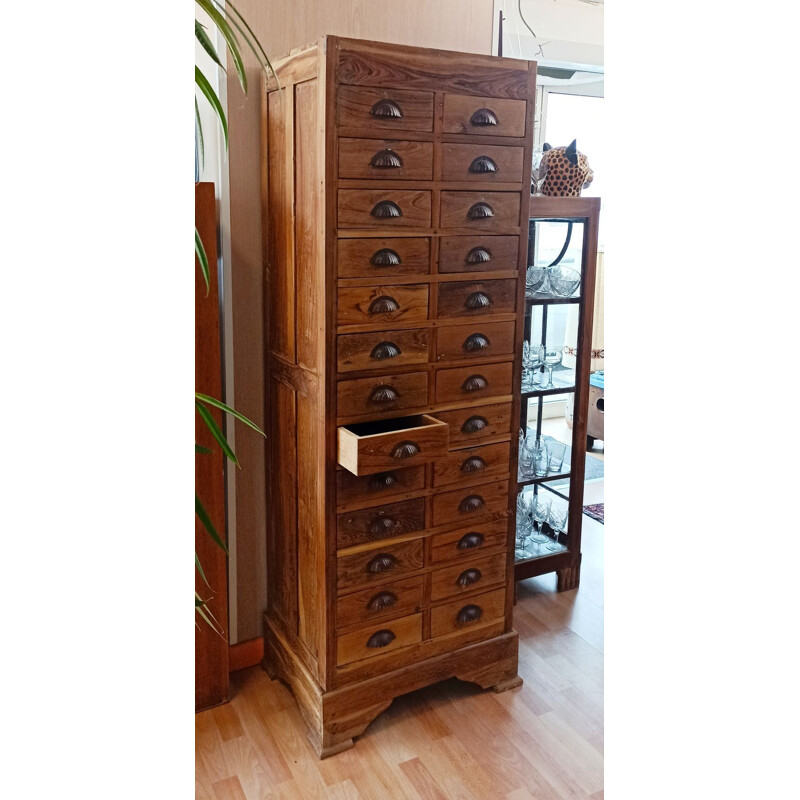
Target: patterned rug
596, 511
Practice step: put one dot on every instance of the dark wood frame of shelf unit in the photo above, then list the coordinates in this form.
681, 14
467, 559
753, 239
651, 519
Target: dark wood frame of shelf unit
567, 565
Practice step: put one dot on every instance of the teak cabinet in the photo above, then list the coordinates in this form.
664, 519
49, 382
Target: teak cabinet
395, 200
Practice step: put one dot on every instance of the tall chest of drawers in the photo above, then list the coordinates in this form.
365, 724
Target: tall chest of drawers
395, 199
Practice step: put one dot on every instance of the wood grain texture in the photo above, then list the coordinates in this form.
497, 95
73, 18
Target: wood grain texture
467, 253
455, 615
380, 522
372, 351
210, 649
477, 340
362, 569
370, 489
368, 304
356, 104
459, 115
458, 206
462, 506
458, 384
384, 601
459, 163
359, 258
470, 299
469, 576
472, 465
471, 425
466, 543
358, 208
363, 395
385, 159
368, 642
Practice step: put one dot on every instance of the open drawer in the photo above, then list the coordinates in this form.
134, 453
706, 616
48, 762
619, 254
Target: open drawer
369, 447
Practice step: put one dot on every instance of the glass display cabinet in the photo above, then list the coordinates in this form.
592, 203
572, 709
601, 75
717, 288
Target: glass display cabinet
554, 389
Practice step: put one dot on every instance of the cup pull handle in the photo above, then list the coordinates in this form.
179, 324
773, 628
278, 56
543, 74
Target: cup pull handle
478, 255
469, 614
388, 208
383, 526
381, 639
381, 601
476, 342
474, 383
386, 159
385, 257
382, 480
471, 502
406, 450
383, 305
383, 394
381, 563
385, 350
478, 211
473, 425
474, 464
478, 300
468, 577
484, 117
469, 541
483, 164
390, 109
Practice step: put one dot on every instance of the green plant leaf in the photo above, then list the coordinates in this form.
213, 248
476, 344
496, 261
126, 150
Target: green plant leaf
200, 569
198, 448
211, 96
249, 37
216, 431
230, 39
199, 126
204, 611
202, 37
202, 515
200, 252
228, 410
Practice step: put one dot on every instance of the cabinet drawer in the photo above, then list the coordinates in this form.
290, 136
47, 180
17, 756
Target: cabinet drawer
380, 522
384, 109
379, 565
478, 253
376, 258
476, 298
385, 208
369, 447
484, 116
468, 576
354, 489
473, 465
380, 602
382, 349
480, 162
364, 304
375, 641
384, 393
471, 425
479, 339
467, 543
386, 160
483, 211
469, 383
467, 612
464, 504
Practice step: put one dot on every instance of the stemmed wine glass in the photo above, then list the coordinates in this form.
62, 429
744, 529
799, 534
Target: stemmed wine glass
524, 527
558, 522
527, 375
541, 512
538, 171
552, 357
535, 360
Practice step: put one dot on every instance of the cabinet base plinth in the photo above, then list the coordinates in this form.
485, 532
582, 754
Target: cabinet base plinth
336, 717
568, 578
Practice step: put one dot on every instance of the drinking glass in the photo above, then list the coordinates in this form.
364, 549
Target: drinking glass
552, 357
538, 171
526, 455
541, 459
557, 451
558, 522
524, 527
527, 374
541, 513
535, 361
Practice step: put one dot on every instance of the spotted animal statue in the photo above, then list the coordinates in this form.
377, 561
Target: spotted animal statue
568, 171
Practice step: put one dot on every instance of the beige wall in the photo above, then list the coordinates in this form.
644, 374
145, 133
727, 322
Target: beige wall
282, 25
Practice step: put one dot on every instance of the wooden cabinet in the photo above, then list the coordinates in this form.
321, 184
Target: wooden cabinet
395, 192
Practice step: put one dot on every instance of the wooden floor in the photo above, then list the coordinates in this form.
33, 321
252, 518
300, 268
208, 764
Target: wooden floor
452, 740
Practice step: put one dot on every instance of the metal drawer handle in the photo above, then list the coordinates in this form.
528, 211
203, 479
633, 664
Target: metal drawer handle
479, 211
474, 424
478, 300
382, 481
381, 601
406, 450
469, 541
381, 563
385, 350
383, 394
386, 159
388, 108
478, 255
381, 639
469, 614
381, 526
471, 502
483, 117
474, 464
475, 383
483, 164
468, 577
388, 208
383, 305
385, 257
477, 341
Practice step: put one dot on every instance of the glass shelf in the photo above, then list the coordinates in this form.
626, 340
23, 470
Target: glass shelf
563, 381
537, 299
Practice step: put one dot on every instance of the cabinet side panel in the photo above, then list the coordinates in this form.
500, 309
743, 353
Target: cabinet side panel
310, 261
282, 542
280, 265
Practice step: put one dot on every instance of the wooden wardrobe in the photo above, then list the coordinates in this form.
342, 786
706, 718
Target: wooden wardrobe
395, 201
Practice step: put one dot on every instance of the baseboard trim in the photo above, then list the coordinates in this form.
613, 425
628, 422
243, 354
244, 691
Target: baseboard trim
246, 654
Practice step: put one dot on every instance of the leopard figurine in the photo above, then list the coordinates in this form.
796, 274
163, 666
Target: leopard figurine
568, 171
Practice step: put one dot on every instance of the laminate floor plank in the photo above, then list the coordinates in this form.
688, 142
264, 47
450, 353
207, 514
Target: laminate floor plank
452, 740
